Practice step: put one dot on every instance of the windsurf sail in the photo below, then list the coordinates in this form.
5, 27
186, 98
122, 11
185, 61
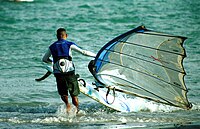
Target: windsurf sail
145, 63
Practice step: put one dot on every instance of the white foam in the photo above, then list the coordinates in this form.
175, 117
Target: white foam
123, 119
138, 104
16, 120
60, 116
62, 111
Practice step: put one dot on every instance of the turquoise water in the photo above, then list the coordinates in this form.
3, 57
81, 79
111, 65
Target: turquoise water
28, 28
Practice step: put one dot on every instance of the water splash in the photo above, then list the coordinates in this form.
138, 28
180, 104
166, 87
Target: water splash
139, 104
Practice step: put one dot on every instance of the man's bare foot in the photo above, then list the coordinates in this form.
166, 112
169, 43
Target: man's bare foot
68, 108
77, 110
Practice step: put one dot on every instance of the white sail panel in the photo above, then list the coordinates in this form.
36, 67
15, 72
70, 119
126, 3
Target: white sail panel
145, 63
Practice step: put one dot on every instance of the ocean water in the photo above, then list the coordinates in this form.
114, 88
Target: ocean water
28, 28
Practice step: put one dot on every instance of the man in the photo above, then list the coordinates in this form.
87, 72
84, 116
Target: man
63, 67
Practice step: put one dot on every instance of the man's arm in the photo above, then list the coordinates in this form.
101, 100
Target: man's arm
84, 52
46, 57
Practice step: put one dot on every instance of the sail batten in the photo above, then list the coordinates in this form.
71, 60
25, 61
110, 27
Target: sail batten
145, 63
162, 100
142, 73
153, 48
183, 72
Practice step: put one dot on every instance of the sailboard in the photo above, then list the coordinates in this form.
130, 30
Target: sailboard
99, 95
146, 64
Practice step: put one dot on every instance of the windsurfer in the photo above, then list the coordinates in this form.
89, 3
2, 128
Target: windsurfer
63, 68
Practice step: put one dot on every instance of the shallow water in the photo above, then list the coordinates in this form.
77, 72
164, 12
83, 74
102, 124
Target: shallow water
28, 28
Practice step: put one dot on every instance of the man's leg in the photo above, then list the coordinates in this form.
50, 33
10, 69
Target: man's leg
62, 90
65, 99
74, 90
75, 101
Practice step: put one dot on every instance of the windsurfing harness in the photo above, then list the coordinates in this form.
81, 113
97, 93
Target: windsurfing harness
144, 63
62, 60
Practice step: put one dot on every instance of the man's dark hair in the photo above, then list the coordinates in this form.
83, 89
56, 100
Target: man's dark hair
59, 32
